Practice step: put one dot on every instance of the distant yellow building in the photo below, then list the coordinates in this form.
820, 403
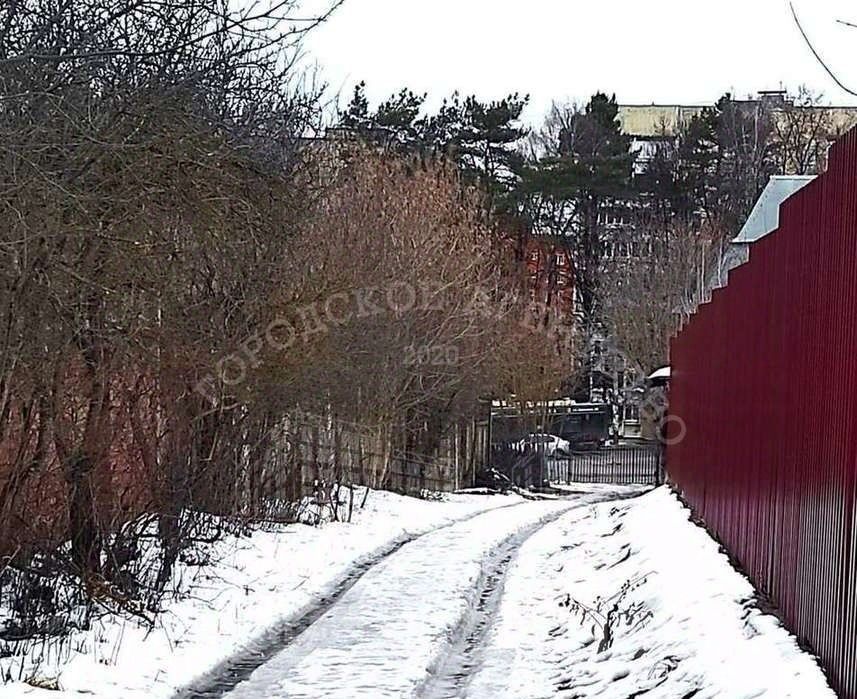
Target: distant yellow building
658, 120
805, 131
655, 120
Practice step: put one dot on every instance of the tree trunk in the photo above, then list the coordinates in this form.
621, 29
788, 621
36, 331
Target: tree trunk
83, 530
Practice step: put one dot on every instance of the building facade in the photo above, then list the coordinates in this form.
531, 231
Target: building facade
803, 129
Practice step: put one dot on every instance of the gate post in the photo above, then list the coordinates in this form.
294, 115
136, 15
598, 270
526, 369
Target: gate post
660, 463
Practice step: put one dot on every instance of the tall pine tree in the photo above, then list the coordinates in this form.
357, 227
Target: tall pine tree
480, 137
582, 166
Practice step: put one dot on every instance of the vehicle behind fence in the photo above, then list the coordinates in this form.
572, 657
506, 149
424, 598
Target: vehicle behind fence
764, 415
576, 423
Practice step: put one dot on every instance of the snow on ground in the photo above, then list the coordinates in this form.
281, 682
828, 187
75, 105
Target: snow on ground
683, 622
600, 599
384, 637
254, 583
615, 491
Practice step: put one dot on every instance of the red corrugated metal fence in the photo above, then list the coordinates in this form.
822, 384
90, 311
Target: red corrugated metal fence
765, 381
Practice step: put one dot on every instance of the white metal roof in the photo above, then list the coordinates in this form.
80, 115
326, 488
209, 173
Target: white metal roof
765, 216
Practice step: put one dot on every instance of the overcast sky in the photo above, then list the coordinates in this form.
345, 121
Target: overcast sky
663, 51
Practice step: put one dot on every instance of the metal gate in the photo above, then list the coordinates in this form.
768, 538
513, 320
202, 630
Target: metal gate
624, 464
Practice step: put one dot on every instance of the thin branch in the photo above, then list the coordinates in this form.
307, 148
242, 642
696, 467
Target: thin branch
230, 23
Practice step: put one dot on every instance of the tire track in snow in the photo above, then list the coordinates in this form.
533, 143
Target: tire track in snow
229, 674
452, 674
450, 678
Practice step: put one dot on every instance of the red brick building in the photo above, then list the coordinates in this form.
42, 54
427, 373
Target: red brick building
550, 275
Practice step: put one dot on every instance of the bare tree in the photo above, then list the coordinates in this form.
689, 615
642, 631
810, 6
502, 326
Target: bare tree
150, 155
652, 292
802, 130
440, 326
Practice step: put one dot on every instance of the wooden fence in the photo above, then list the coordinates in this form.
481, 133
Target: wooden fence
306, 452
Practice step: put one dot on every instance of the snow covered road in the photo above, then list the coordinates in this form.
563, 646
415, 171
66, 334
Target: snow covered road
595, 595
606, 593
250, 596
402, 630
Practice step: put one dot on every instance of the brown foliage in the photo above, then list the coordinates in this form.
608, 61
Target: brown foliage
158, 207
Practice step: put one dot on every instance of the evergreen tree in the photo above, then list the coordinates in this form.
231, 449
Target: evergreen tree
396, 123
481, 137
676, 182
715, 167
745, 158
583, 164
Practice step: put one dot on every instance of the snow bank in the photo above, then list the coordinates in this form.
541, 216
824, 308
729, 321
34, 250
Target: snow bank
254, 583
683, 622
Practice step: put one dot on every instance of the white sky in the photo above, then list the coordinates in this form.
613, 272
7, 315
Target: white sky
664, 51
